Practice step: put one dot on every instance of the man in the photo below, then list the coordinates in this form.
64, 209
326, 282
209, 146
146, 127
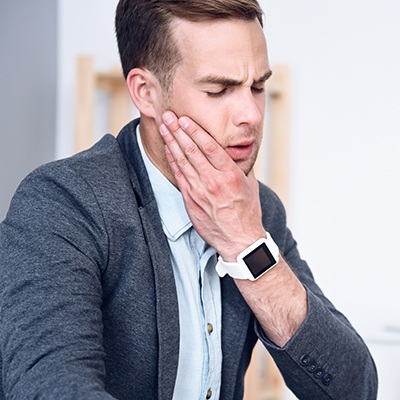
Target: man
148, 266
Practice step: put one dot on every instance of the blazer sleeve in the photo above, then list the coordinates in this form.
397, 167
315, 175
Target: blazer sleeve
52, 245
326, 358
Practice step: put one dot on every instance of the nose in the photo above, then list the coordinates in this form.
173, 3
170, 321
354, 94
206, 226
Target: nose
247, 110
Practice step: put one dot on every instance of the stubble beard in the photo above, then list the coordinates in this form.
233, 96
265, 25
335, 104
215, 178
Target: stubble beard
167, 105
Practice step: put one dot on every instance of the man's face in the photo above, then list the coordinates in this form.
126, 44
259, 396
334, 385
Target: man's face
220, 83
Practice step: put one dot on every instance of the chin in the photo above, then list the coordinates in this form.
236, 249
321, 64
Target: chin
245, 166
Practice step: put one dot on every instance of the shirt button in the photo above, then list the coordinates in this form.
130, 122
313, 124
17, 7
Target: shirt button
209, 394
210, 328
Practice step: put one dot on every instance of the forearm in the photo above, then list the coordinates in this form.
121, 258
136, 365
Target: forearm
278, 300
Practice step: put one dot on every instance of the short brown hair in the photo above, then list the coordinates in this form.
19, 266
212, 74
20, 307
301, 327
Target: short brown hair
145, 33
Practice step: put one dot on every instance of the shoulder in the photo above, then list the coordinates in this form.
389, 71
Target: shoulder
272, 207
79, 185
98, 168
105, 157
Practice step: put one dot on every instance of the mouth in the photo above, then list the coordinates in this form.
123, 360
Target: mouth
240, 151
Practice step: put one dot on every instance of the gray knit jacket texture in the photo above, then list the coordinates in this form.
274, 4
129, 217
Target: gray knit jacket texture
88, 304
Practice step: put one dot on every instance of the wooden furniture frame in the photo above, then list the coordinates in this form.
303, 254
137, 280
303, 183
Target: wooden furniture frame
263, 380
88, 82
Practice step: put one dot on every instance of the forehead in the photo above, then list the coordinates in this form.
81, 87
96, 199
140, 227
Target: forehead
233, 48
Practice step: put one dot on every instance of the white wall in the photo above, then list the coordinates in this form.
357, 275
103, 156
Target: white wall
345, 144
345, 163
28, 66
85, 28
345, 158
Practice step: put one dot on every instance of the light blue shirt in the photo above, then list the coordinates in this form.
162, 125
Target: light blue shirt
198, 290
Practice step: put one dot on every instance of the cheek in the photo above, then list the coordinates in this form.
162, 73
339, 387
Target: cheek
214, 121
209, 115
261, 103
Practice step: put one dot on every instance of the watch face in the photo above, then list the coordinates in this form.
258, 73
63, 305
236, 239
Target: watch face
259, 260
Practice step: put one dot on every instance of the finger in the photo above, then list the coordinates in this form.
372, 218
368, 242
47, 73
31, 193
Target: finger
192, 137
179, 163
180, 180
215, 154
180, 143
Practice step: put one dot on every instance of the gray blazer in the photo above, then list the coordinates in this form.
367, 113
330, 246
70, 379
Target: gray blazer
88, 305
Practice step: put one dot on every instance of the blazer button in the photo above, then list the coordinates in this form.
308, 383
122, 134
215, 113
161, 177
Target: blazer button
312, 366
327, 379
319, 373
305, 359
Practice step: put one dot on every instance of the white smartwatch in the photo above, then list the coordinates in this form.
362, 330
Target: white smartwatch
252, 262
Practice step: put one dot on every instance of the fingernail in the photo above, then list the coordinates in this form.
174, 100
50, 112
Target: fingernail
183, 122
163, 129
168, 118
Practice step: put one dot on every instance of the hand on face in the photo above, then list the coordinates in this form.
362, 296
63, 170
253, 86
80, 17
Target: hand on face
221, 201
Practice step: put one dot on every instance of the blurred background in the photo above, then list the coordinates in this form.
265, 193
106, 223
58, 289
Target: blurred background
344, 164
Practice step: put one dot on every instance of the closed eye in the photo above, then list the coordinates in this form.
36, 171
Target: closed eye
258, 90
217, 94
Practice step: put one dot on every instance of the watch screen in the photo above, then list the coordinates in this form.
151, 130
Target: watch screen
259, 260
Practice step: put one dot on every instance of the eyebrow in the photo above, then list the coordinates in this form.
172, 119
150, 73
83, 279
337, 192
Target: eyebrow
223, 81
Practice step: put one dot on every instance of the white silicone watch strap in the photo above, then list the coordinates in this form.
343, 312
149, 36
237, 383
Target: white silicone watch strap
239, 269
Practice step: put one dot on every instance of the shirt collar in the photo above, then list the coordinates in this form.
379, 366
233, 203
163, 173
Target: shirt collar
171, 206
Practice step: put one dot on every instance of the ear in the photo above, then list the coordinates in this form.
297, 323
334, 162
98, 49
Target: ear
145, 91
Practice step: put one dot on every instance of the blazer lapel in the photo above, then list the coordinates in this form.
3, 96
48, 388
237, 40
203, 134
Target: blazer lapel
165, 291
166, 302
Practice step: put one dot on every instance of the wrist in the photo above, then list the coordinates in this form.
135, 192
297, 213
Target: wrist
253, 262
238, 244
279, 302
